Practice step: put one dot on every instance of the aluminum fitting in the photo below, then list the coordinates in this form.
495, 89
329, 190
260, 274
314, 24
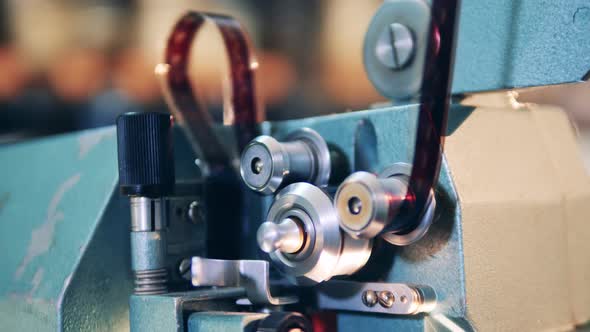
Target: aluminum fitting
268, 165
369, 205
305, 242
148, 245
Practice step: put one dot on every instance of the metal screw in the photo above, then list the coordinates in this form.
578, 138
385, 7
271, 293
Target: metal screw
386, 299
194, 213
268, 165
184, 268
355, 205
395, 46
369, 298
257, 165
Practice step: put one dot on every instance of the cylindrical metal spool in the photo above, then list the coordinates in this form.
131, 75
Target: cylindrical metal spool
366, 204
268, 165
327, 251
370, 205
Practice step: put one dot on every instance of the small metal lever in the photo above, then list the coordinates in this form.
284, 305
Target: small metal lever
253, 275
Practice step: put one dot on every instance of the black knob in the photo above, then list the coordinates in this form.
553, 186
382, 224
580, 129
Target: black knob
146, 158
284, 322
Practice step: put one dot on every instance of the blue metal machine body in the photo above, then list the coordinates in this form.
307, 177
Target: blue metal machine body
64, 235
64, 228
505, 44
70, 260
169, 312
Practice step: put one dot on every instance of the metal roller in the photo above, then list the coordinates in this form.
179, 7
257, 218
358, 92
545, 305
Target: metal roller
369, 205
268, 165
304, 240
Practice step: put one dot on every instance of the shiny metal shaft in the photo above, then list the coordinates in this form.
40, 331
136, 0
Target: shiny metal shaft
148, 245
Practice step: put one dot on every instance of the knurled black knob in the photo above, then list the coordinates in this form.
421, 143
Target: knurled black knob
146, 158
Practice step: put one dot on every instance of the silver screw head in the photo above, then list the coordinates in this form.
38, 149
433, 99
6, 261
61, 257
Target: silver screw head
184, 268
195, 213
257, 165
386, 299
395, 46
369, 298
286, 236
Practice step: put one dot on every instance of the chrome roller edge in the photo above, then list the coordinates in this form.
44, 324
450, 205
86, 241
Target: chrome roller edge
326, 251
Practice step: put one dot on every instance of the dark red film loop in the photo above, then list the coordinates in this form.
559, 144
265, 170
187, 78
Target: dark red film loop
434, 102
183, 101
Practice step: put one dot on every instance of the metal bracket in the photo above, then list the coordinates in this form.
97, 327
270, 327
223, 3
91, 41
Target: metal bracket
385, 298
253, 275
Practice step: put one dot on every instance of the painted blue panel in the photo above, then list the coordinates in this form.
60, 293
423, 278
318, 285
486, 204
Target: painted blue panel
521, 43
54, 192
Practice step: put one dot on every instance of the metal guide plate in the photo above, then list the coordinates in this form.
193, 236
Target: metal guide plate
348, 295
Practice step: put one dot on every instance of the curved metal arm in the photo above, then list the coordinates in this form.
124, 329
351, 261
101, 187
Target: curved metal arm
253, 275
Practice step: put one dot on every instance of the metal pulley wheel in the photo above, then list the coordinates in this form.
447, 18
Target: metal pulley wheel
304, 240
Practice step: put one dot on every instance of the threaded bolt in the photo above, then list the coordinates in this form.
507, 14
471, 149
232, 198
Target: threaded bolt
151, 282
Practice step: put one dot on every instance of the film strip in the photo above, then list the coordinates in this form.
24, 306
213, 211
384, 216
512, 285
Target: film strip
179, 94
434, 103
184, 103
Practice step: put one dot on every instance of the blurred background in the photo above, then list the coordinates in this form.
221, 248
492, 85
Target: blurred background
73, 64
67, 65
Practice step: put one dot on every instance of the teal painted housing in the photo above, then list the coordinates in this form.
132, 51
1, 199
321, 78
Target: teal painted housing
519, 43
505, 44
63, 235
169, 312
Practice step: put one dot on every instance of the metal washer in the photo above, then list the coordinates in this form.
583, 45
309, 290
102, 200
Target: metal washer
317, 262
